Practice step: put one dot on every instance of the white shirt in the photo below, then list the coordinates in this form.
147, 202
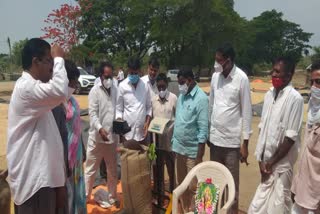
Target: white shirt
102, 107
280, 118
230, 110
153, 88
120, 75
34, 147
97, 81
133, 105
165, 109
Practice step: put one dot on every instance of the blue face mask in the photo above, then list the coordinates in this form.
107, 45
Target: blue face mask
133, 78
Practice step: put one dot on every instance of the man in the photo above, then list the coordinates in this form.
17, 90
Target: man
34, 148
306, 183
98, 81
164, 106
190, 131
150, 78
278, 142
102, 142
230, 114
120, 76
134, 102
134, 107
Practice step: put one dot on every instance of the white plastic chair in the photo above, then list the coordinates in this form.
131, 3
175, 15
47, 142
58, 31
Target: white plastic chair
220, 176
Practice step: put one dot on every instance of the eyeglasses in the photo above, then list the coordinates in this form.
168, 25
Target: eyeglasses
317, 81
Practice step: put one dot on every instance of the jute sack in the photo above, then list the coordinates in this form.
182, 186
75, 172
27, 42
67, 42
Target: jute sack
136, 180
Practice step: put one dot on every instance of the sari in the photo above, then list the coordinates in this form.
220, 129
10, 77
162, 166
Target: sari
75, 183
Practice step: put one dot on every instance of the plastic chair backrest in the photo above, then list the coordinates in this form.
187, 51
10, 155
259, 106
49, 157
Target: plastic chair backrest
219, 175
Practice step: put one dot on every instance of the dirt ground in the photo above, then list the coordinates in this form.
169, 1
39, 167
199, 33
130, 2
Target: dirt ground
249, 175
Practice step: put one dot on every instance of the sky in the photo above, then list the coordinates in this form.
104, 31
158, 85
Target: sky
20, 19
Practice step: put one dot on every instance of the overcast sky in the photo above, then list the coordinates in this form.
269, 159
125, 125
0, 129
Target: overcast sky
20, 19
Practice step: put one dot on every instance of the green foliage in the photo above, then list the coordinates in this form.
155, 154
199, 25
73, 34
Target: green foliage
152, 152
4, 62
79, 54
118, 26
13, 64
275, 36
316, 55
16, 51
261, 69
183, 32
187, 32
304, 62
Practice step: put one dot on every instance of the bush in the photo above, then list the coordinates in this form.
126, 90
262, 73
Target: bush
261, 69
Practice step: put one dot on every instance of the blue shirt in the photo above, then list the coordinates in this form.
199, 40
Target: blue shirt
191, 124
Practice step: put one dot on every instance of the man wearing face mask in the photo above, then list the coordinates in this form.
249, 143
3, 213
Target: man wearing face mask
164, 106
134, 106
150, 78
134, 102
306, 183
230, 114
190, 131
278, 142
102, 142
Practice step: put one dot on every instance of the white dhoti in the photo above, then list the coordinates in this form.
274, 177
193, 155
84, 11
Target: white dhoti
274, 195
296, 209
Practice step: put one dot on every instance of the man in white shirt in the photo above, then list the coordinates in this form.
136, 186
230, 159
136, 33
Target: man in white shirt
150, 78
120, 76
278, 142
102, 142
164, 106
306, 183
34, 147
134, 106
230, 114
134, 103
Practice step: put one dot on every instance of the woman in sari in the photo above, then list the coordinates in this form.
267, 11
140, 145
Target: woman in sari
75, 182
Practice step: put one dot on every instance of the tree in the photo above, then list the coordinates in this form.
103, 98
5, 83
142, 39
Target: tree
183, 32
16, 51
316, 55
4, 62
63, 26
115, 26
187, 32
9, 45
275, 36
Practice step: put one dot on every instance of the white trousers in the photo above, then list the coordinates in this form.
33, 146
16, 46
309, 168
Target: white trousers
95, 153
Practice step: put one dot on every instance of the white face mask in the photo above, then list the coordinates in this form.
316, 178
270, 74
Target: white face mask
107, 83
315, 95
162, 94
183, 89
218, 67
314, 106
70, 92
